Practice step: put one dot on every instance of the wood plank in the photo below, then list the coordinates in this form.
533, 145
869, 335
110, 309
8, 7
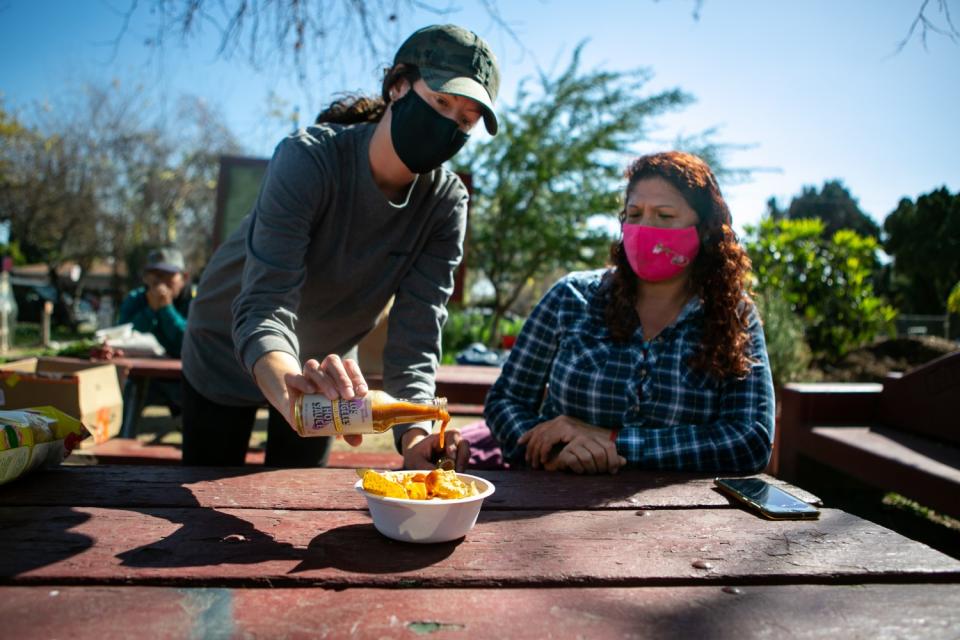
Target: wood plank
237, 547
460, 409
831, 403
259, 488
807, 611
131, 451
818, 403
915, 467
459, 384
464, 384
165, 368
160, 368
925, 399
930, 457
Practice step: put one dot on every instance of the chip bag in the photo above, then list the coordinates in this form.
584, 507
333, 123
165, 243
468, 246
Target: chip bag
30, 438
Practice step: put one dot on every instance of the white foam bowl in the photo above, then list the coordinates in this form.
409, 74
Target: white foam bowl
426, 520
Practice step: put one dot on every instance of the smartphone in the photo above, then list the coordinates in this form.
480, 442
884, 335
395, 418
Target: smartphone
772, 502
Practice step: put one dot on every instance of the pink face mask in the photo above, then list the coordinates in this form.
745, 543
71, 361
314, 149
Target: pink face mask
656, 253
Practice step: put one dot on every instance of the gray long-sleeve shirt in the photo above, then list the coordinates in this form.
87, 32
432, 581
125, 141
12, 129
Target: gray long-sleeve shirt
318, 258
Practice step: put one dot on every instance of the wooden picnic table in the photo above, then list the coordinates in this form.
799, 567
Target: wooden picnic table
106, 551
150, 368
466, 383
464, 386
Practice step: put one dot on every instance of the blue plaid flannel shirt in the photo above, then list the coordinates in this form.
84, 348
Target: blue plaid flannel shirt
669, 415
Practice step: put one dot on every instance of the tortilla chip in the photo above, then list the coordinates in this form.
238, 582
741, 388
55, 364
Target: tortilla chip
438, 484
379, 485
446, 485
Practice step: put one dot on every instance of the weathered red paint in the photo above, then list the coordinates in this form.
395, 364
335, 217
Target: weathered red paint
259, 488
202, 547
175, 552
806, 611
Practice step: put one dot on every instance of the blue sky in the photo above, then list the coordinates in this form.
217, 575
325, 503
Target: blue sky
814, 88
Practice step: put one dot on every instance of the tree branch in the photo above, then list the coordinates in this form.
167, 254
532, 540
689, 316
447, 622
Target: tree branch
927, 25
308, 31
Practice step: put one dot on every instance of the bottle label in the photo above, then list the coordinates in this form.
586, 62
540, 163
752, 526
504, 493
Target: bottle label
323, 417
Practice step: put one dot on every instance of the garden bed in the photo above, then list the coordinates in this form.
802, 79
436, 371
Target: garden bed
872, 363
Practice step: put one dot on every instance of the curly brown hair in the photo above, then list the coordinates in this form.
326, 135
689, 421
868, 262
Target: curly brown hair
719, 274
352, 108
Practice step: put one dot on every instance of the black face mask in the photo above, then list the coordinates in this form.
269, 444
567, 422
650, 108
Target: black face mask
423, 138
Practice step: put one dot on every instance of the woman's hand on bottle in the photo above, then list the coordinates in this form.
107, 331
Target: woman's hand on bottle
334, 378
422, 451
277, 373
584, 448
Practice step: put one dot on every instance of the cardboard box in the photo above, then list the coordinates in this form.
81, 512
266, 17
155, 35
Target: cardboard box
86, 390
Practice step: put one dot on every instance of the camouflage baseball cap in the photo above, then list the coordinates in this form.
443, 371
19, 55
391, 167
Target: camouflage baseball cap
167, 259
454, 60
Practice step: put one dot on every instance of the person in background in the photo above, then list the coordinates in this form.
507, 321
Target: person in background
352, 212
658, 362
161, 305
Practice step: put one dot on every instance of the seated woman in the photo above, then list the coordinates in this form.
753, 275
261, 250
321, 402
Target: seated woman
658, 362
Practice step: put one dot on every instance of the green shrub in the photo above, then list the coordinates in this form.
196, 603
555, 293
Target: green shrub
953, 301
827, 281
472, 324
783, 330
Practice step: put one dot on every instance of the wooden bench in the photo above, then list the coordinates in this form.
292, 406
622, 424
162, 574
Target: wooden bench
464, 386
902, 435
131, 451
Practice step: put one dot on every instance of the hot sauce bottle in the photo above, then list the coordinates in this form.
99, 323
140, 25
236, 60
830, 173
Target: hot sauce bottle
376, 412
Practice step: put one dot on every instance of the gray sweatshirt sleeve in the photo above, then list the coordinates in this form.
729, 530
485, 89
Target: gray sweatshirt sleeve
412, 352
278, 236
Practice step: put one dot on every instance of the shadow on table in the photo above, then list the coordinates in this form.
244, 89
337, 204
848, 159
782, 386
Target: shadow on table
206, 536
21, 555
224, 539
209, 537
214, 538
361, 548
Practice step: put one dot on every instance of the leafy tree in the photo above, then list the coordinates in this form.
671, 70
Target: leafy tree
12, 250
158, 173
924, 240
825, 280
306, 32
10, 130
316, 31
833, 204
556, 161
47, 195
101, 175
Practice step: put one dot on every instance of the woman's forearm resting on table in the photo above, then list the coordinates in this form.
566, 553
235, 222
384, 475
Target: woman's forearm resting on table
740, 439
722, 446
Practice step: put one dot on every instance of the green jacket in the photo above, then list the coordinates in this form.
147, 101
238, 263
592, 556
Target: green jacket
168, 323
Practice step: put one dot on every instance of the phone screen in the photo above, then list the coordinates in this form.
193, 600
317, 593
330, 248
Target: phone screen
770, 500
